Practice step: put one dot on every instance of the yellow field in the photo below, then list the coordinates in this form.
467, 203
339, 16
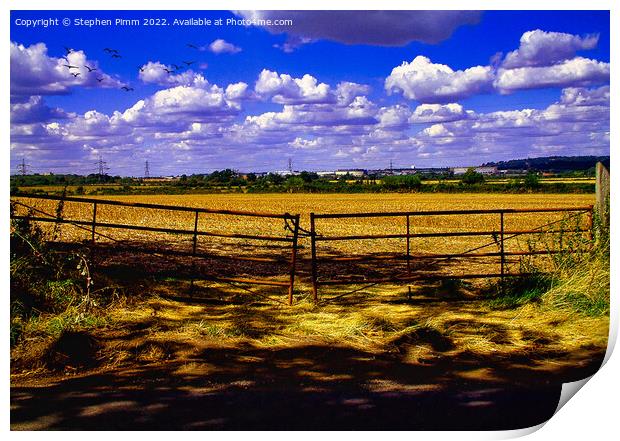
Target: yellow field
332, 203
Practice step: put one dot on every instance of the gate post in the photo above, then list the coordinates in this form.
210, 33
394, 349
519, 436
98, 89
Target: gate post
293, 259
313, 248
502, 256
94, 222
408, 260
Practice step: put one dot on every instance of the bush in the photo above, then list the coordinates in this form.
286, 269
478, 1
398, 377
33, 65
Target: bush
471, 177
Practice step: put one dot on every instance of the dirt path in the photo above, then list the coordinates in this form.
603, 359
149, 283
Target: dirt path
306, 388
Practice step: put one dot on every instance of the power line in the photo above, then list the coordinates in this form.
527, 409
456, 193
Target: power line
22, 167
102, 167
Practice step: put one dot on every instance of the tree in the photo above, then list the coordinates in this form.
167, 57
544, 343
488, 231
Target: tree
471, 176
531, 180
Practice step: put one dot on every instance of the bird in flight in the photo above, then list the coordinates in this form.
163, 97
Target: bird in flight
141, 68
68, 49
110, 51
168, 71
90, 69
192, 46
189, 63
175, 66
116, 56
100, 79
127, 89
65, 58
75, 74
70, 66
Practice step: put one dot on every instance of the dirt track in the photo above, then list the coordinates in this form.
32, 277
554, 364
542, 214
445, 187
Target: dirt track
306, 388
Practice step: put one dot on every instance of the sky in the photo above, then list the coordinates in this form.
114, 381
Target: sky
325, 89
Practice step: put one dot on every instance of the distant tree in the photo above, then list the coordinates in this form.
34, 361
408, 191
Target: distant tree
294, 184
308, 176
532, 180
471, 176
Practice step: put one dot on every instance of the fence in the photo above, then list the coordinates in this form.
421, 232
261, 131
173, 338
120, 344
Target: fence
94, 227
409, 274
417, 265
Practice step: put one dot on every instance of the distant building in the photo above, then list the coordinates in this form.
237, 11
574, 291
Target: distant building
484, 170
355, 172
326, 174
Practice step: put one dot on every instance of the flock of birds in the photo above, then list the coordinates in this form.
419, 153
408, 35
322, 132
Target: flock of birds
114, 54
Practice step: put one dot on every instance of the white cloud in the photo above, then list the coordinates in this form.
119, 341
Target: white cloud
33, 72
395, 117
575, 72
220, 46
436, 113
540, 48
428, 82
155, 72
284, 89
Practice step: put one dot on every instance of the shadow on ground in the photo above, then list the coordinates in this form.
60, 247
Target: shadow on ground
308, 385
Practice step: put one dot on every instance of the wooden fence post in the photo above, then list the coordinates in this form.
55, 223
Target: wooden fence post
602, 196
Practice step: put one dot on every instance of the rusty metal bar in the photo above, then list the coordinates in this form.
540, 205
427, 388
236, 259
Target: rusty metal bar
408, 249
448, 212
419, 277
94, 222
501, 240
445, 234
157, 206
157, 229
180, 253
443, 256
293, 260
195, 240
314, 261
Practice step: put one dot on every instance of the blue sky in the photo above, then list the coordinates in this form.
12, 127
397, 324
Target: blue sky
347, 89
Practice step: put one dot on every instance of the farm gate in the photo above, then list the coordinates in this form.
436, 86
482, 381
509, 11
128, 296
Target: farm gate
92, 221
433, 248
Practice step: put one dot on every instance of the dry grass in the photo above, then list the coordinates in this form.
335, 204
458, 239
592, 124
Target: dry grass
378, 322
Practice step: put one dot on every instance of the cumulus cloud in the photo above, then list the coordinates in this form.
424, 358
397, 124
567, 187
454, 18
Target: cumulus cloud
284, 89
575, 72
33, 110
34, 72
220, 46
394, 117
437, 113
155, 72
429, 82
540, 48
580, 96
381, 28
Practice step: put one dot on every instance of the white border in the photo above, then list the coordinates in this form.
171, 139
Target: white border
591, 415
